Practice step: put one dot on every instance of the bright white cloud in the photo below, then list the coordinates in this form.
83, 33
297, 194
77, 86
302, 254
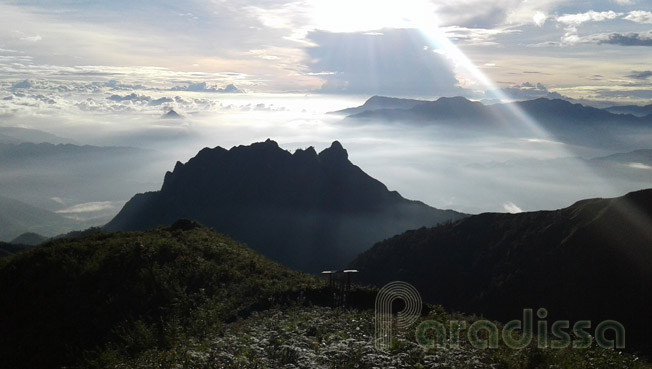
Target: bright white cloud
539, 18
639, 166
590, 16
640, 16
89, 207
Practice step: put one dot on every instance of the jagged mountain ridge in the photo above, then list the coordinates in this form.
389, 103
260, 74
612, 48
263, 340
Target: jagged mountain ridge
306, 210
588, 261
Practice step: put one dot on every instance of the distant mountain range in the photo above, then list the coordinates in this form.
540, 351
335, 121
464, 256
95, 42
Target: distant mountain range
570, 123
639, 111
57, 176
588, 261
16, 135
460, 109
306, 210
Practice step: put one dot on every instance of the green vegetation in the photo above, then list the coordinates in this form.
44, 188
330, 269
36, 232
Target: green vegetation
322, 337
73, 301
186, 297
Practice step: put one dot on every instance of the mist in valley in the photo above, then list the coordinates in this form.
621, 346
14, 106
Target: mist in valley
447, 167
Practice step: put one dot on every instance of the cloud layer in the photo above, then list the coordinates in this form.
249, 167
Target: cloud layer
301, 45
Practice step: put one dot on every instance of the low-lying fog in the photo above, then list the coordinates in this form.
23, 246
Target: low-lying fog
467, 172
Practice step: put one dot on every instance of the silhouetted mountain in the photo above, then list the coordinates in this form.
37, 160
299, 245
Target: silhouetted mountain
306, 210
29, 238
171, 115
459, 110
378, 103
636, 110
588, 261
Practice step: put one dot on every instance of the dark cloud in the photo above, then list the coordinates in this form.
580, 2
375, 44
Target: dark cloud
627, 39
641, 74
392, 62
479, 15
131, 97
489, 19
134, 97
529, 91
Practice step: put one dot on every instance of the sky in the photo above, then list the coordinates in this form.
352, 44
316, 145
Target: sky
586, 50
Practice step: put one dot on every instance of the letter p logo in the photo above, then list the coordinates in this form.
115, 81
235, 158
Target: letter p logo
384, 326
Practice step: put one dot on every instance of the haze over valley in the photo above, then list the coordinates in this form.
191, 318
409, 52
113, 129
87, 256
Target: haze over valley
474, 168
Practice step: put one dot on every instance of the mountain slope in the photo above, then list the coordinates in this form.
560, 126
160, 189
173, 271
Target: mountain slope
306, 210
587, 261
123, 293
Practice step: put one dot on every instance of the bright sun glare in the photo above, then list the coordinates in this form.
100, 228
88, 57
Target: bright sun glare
364, 15
374, 16
370, 15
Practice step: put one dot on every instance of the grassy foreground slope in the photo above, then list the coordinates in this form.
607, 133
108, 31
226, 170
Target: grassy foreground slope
72, 300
